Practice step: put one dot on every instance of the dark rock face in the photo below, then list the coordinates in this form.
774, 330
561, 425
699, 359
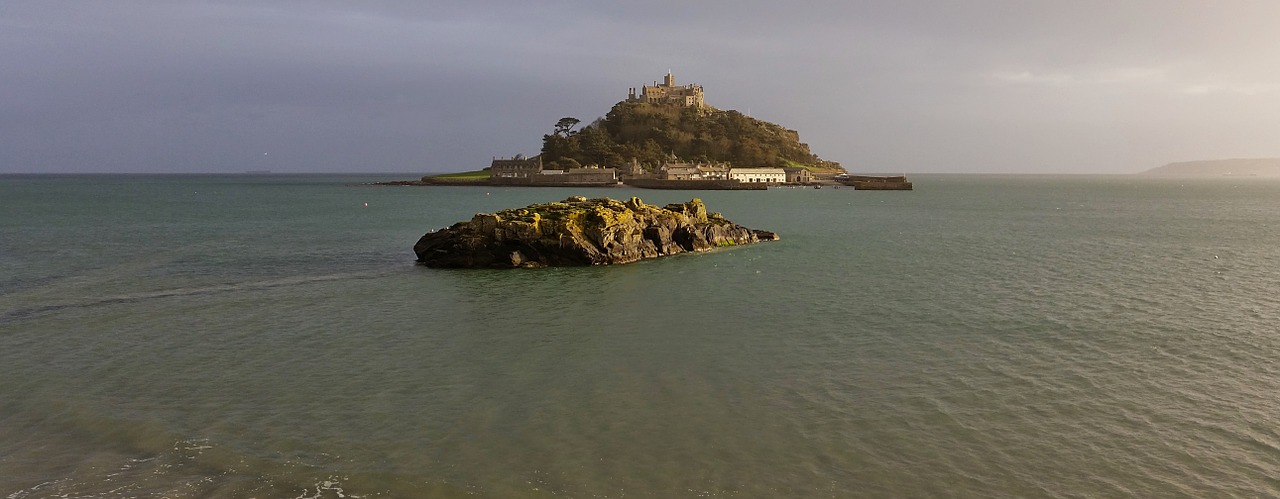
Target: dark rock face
581, 231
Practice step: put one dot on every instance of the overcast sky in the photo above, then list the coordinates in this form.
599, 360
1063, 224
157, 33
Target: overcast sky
1071, 86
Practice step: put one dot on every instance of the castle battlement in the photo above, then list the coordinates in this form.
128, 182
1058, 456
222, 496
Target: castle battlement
669, 93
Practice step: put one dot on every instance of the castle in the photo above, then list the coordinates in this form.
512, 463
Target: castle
669, 93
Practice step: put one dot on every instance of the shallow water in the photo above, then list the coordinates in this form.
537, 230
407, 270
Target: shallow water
981, 336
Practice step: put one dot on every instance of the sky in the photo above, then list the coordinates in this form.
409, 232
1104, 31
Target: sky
943, 86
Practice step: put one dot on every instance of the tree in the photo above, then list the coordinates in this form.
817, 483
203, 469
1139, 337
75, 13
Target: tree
566, 124
653, 133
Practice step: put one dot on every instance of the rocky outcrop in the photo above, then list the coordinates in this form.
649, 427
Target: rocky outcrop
581, 231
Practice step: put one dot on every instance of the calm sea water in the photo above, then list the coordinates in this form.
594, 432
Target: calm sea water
981, 336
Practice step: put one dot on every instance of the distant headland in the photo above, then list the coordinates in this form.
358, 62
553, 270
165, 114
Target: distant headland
1240, 167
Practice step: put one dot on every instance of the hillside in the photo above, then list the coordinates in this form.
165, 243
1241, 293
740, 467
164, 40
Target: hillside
651, 133
1259, 167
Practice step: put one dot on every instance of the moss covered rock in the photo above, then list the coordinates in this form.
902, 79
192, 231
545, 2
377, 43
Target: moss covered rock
581, 231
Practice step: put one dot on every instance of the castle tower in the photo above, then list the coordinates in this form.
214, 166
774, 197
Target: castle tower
668, 93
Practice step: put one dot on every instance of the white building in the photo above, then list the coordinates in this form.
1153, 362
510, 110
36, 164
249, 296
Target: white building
753, 175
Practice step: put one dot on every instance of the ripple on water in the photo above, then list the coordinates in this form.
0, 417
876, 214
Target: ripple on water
999, 337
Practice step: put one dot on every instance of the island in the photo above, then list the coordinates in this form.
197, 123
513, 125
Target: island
580, 231
661, 136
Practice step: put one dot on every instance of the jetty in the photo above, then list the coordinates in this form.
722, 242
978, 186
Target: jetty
876, 182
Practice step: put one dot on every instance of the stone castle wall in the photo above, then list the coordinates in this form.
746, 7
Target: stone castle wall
669, 93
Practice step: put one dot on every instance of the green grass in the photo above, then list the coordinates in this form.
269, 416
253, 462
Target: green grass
459, 177
812, 168
473, 175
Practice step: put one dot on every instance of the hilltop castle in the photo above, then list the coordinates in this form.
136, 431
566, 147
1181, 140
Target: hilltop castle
669, 93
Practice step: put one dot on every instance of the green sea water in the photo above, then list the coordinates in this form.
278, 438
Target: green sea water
981, 336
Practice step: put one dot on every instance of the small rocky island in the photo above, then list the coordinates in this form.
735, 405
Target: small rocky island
581, 231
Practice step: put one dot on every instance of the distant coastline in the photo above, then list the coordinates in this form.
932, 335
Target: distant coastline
1239, 167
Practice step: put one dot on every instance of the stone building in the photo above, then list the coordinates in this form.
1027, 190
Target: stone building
517, 167
632, 168
680, 171
798, 175
695, 171
714, 172
669, 93
591, 175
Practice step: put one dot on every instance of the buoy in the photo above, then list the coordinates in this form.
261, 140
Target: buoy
366, 204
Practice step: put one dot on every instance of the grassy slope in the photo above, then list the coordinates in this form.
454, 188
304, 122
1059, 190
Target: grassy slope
461, 176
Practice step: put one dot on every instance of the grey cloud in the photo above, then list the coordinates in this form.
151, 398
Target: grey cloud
913, 86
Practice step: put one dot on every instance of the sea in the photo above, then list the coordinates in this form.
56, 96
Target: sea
983, 336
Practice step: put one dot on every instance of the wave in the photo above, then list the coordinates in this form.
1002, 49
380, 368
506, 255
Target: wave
24, 313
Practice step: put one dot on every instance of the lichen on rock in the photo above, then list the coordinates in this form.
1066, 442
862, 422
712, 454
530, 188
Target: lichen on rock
581, 231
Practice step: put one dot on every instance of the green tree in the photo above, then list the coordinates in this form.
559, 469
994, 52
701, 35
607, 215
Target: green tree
565, 125
651, 133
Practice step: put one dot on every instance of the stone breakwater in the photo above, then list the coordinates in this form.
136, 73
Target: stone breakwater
581, 231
